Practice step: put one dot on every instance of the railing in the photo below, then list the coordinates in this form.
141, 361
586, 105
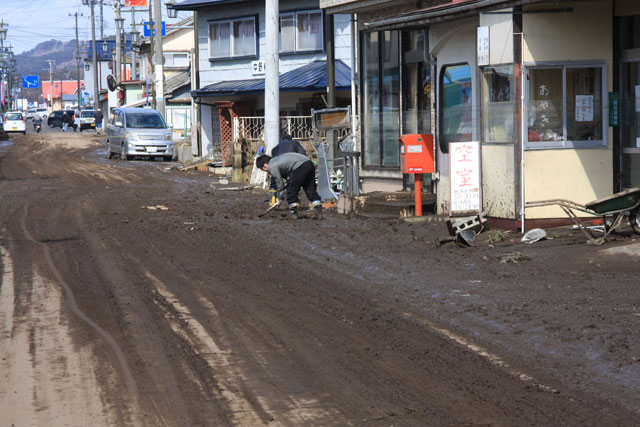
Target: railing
252, 128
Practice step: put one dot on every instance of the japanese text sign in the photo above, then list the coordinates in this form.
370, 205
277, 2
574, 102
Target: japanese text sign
464, 170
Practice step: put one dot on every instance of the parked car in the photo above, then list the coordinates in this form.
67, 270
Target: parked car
138, 132
55, 119
85, 119
30, 113
14, 122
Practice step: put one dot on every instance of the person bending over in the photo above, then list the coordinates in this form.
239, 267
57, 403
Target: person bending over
298, 169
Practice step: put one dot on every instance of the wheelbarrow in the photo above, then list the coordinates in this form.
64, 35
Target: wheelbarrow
612, 209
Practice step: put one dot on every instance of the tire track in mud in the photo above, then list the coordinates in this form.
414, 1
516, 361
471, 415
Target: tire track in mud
73, 306
246, 410
40, 385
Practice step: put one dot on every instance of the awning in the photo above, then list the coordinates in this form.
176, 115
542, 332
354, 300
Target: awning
308, 78
199, 4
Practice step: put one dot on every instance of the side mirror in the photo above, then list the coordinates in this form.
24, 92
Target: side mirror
170, 126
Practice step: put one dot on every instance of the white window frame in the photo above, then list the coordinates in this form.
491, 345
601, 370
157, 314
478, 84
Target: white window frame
231, 22
542, 145
295, 15
172, 54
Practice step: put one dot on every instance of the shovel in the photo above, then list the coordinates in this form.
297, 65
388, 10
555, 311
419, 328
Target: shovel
272, 207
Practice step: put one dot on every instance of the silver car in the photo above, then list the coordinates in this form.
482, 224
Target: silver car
138, 132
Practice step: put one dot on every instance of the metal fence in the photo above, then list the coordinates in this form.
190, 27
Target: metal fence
298, 127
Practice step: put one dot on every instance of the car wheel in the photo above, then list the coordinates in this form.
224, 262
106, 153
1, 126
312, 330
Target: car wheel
123, 154
24, 132
634, 220
168, 158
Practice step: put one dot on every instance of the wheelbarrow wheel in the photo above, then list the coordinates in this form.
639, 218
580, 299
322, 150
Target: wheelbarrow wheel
634, 220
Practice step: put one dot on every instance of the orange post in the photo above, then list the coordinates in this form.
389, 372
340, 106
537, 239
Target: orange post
418, 191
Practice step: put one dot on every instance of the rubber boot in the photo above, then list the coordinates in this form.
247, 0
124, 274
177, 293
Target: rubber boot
317, 211
293, 212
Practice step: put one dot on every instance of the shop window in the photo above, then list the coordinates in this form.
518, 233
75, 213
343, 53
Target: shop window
234, 38
456, 92
301, 31
381, 100
497, 104
416, 83
565, 106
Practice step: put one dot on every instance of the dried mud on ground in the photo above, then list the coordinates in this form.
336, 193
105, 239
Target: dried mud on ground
138, 295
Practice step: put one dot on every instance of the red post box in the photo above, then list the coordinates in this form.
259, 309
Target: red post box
416, 156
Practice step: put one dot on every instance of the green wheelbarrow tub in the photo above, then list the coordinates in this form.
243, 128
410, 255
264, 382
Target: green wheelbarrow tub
622, 201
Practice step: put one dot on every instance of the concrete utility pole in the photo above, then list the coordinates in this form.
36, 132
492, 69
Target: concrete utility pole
134, 71
150, 78
78, 64
158, 58
118, 45
52, 63
272, 77
3, 35
96, 89
101, 20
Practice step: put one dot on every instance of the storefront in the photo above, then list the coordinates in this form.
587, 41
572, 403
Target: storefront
551, 90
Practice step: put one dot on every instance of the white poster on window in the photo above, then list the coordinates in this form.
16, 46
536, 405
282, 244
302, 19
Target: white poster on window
464, 167
483, 46
584, 108
637, 99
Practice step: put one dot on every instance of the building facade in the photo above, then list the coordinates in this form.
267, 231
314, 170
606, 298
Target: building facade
231, 44
549, 89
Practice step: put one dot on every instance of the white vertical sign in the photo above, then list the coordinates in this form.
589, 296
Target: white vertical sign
483, 46
464, 169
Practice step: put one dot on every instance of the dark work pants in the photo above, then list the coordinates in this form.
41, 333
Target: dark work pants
304, 176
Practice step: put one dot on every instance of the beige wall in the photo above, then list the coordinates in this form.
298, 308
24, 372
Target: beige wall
577, 175
498, 181
180, 40
580, 175
453, 43
584, 34
627, 7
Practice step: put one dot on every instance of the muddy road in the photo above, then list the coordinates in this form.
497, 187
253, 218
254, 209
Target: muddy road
135, 295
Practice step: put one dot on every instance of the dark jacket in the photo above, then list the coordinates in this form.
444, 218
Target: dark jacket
285, 146
66, 118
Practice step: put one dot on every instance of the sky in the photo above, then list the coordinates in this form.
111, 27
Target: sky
35, 21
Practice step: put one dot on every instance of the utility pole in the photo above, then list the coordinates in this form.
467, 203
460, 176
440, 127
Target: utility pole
96, 89
272, 77
158, 58
118, 43
151, 27
101, 21
3, 35
133, 53
52, 63
78, 64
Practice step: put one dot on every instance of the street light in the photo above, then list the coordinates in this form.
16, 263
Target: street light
105, 45
87, 64
119, 23
171, 12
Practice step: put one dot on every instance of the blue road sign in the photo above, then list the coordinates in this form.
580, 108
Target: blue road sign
30, 82
146, 29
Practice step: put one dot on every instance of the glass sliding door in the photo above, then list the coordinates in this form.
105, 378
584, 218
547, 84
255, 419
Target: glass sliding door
416, 84
630, 123
381, 99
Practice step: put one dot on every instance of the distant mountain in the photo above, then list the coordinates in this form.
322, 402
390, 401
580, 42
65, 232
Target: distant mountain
33, 62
